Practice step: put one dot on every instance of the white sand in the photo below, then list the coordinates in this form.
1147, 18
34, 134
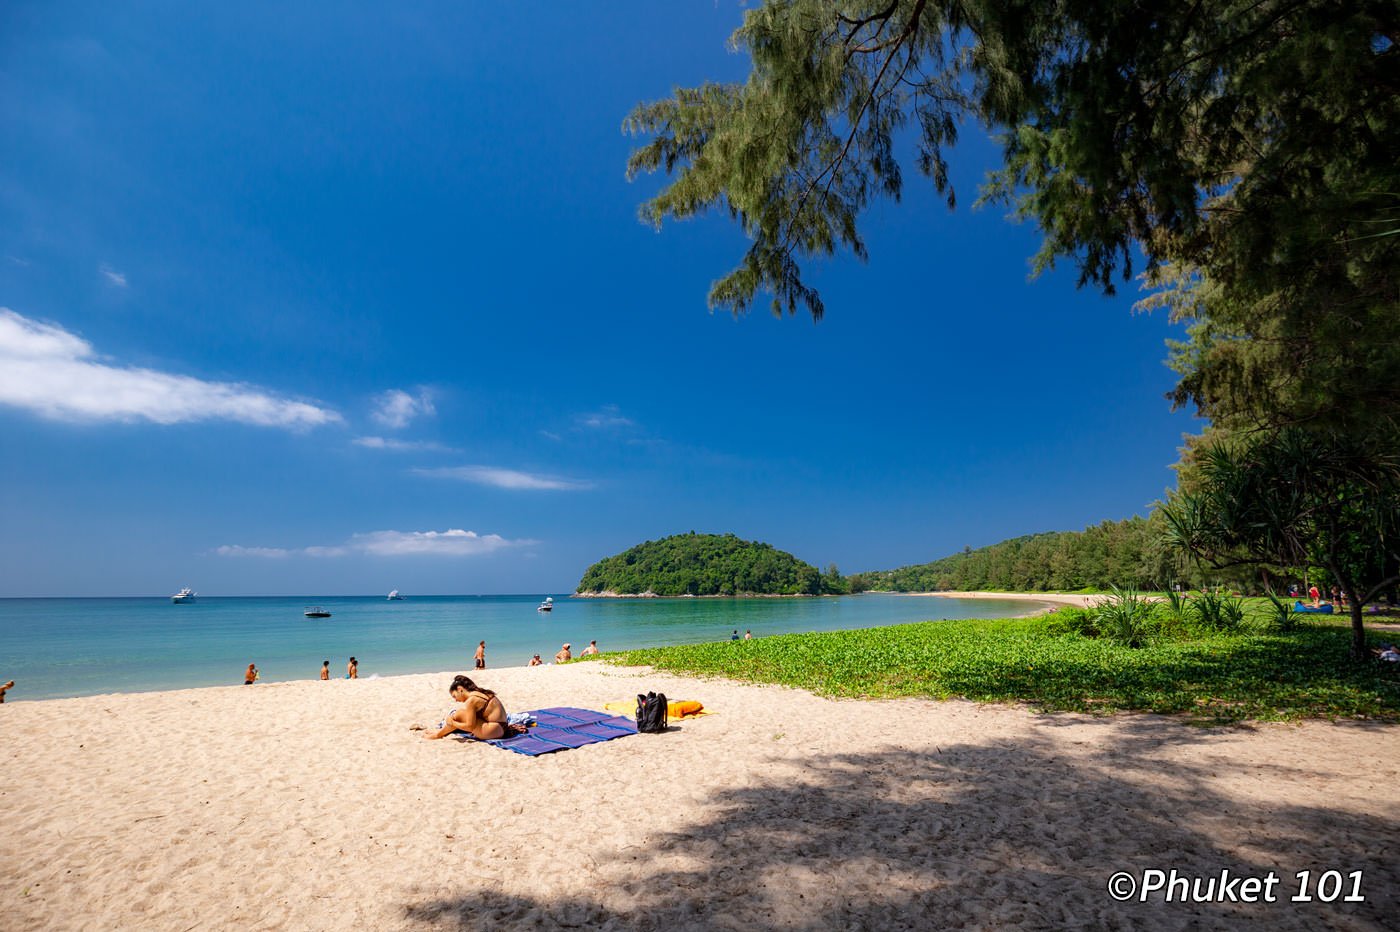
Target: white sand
312, 805
1053, 598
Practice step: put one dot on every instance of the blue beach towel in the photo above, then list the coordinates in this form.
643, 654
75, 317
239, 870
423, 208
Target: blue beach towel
562, 729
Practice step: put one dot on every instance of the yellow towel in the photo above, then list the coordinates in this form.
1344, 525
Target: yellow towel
675, 708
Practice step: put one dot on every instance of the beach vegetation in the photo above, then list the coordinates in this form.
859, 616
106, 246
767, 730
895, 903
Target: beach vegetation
1126, 618
1253, 672
1125, 553
708, 564
1296, 497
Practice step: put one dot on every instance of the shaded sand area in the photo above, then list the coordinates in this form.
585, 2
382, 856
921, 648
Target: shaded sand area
313, 806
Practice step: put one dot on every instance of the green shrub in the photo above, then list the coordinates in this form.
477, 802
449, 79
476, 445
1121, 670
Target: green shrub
1125, 617
1213, 611
1282, 615
1070, 621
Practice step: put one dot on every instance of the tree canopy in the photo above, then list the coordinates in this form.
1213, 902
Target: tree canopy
707, 564
1245, 147
1113, 553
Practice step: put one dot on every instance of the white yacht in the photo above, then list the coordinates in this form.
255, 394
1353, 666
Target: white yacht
395, 597
547, 605
184, 595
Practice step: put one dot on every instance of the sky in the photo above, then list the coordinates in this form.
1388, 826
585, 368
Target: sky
341, 298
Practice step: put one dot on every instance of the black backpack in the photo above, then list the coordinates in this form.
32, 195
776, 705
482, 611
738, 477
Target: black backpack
651, 713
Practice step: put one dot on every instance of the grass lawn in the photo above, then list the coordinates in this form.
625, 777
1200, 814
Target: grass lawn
1220, 677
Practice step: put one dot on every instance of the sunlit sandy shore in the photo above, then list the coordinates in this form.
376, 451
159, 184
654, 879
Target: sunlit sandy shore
312, 805
1055, 598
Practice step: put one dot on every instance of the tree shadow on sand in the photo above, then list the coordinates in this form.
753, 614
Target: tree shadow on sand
1007, 835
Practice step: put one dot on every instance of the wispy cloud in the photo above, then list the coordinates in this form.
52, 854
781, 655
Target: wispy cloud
56, 374
396, 409
505, 478
402, 446
16, 260
609, 417
114, 278
453, 542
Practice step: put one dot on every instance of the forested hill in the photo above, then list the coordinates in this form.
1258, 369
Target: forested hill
707, 564
1114, 553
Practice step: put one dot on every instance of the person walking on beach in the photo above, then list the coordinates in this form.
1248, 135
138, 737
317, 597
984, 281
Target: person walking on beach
11, 685
481, 656
563, 654
590, 650
325, 669
251, 676
352, 669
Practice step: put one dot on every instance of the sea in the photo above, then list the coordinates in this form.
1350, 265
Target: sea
55, 648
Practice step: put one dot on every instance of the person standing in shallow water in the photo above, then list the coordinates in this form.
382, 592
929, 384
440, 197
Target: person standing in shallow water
481, 656
325, 669
352, 669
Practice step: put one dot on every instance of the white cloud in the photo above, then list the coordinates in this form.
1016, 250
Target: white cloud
271, 553
389, 443
56, 374
115, 278
505, 478
453, 542
608, 418
396, 409
16, 260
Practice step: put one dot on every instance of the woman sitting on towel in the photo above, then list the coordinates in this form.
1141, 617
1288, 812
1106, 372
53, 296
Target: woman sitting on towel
481, 715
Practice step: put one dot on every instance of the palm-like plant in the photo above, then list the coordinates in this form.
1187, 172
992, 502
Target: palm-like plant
1298, 498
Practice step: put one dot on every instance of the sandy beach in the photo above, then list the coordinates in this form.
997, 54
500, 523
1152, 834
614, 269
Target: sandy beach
1051, 598
312, 805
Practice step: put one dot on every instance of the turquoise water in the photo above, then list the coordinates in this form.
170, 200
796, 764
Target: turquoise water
81, 647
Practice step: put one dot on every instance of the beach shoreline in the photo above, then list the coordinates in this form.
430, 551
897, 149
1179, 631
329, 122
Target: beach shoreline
312, 804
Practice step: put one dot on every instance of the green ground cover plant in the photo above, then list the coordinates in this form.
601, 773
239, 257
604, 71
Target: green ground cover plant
1254, 671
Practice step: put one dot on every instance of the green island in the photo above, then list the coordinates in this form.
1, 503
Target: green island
707, 565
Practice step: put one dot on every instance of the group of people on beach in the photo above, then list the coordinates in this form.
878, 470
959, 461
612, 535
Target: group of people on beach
352, 672
565, 653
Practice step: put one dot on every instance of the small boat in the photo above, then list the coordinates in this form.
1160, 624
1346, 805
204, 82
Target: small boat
395, 597
315, 611
547, 605
184, 596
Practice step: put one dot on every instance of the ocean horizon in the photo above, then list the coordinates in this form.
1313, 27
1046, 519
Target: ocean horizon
63, 647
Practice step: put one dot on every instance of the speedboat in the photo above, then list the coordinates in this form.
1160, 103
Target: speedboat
183, 596
395, 597
315, 611
547, 605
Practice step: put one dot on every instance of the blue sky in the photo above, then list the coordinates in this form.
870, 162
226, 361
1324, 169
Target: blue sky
342, 299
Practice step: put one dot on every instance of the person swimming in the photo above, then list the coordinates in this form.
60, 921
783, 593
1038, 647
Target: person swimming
482, 715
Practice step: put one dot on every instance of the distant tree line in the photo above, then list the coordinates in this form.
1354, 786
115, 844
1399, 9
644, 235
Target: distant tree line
709, 564
1128, 554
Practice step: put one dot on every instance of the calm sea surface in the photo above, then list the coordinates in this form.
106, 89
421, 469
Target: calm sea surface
80, 647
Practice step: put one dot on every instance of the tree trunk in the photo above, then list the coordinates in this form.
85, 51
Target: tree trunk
1358, 631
